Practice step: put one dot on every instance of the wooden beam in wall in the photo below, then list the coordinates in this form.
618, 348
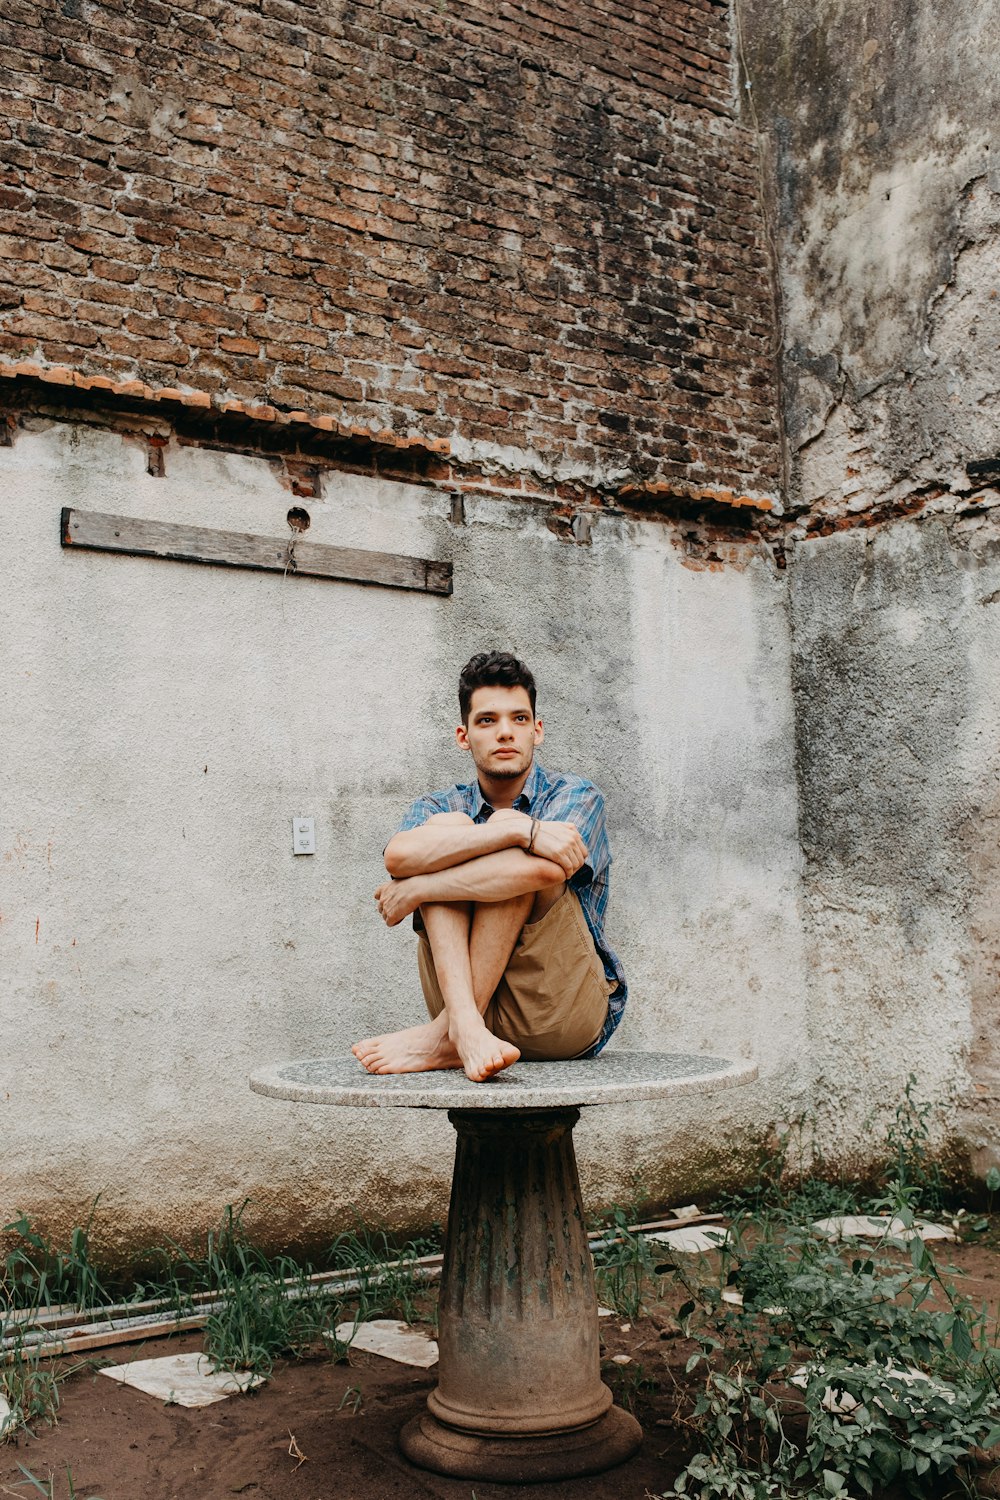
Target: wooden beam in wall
97, 531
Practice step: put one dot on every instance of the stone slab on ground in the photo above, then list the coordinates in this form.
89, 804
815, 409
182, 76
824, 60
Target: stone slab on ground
398, 1341
880, 1226
183, 1379
841, 1402
692, 1240
735, 1299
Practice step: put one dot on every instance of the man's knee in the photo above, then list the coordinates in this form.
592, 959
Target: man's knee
449, 817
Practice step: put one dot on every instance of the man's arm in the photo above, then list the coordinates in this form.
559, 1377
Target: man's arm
490, 877
578, 804
440, 845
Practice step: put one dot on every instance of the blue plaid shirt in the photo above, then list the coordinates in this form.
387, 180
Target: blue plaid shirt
554, 799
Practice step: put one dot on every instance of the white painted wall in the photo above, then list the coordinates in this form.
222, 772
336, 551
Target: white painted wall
162, 722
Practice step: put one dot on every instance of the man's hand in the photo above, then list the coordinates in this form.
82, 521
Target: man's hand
562, 844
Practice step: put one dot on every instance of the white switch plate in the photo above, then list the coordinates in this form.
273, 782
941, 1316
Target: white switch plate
303, 835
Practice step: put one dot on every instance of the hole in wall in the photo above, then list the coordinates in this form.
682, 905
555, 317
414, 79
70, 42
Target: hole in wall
299, 519
155, 461
301, 478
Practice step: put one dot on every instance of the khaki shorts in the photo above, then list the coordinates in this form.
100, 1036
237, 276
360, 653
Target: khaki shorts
552, 1001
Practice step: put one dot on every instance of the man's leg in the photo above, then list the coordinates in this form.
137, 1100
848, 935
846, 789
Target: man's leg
470, 944
552, 1000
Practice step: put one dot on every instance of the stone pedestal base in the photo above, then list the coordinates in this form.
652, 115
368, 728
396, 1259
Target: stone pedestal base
522, 1460
519, 1395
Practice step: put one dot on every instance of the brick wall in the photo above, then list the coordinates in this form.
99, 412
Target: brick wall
527, 226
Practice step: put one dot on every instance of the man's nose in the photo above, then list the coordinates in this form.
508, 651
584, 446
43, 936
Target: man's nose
505, 731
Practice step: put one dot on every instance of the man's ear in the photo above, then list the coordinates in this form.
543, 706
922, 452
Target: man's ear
462, 737
539, 731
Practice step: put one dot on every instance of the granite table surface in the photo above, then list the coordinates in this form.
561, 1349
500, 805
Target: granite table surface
611, 1078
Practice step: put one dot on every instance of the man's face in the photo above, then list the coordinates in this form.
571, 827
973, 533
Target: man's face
502, 732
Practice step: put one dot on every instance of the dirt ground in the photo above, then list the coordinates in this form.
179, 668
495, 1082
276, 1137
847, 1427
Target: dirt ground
116, 1443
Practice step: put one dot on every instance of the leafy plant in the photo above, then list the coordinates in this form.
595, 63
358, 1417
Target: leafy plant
842, 1371
914, 1178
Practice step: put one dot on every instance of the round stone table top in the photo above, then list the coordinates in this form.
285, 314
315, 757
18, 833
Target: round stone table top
611, 1078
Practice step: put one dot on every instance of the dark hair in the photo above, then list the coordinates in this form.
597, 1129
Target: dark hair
492, 669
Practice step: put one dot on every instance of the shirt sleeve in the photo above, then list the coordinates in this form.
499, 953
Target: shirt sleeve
418, 812
583, 805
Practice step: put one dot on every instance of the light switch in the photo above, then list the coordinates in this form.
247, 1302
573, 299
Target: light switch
303, 835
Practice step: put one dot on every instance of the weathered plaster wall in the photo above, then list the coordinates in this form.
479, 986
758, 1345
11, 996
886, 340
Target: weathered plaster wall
880, 122
896, 636
877, 123
162, 724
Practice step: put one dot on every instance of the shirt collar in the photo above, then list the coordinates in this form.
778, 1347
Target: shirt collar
478, 800
531, 788
525, 797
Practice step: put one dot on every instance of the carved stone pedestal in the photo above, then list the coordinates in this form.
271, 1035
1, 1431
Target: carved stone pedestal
519, 1394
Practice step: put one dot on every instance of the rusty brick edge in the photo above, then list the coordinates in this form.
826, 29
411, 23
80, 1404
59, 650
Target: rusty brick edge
712, 526
194, 417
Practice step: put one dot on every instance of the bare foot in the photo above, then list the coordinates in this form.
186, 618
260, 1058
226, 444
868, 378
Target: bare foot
482, 1054
418, 1049
397, 899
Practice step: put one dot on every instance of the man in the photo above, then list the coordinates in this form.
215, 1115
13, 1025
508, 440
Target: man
507, 881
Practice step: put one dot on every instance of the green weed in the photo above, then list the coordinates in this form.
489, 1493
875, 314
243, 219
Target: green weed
782, 1192
47, 1487
351, 1400
914, 1178
38, 1274
824, 1327
267, 1305
30, 1389
271, 1307
624, 1267
630, 1383
259, 1319
390, 1280
228, 1254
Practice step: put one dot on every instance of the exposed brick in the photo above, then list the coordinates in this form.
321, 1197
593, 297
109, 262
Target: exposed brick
238, 345
536, 219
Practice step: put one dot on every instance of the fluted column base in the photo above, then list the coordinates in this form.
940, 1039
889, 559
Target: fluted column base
522, 1460
519, 1394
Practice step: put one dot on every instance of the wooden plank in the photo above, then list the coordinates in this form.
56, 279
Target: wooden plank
97, 531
